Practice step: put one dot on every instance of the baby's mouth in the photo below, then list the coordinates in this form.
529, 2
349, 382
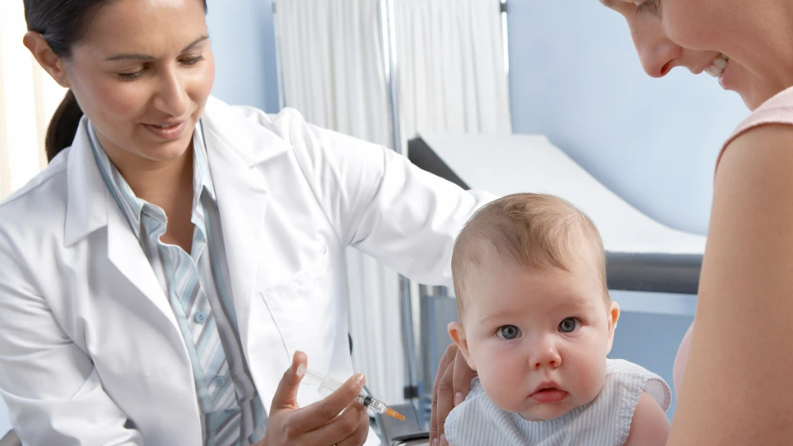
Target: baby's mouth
548, 393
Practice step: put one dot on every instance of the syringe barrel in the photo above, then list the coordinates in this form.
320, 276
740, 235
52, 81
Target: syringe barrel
326, 386
329, 385
371, 403
325, 383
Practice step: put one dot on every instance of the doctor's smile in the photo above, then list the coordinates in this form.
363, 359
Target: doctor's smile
180, 267
167, 131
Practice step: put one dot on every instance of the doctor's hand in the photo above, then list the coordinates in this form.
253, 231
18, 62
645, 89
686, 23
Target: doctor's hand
320, 424
452, 383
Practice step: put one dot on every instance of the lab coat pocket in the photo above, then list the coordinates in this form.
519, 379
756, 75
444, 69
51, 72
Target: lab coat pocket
305, 275
304, 310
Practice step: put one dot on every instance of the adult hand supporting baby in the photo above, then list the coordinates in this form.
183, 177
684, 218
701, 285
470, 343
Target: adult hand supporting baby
337, 420
452, 384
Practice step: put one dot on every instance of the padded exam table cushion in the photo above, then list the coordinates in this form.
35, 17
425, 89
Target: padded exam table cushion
642, 254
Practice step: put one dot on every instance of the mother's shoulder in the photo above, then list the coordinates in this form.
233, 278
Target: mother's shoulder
775, 112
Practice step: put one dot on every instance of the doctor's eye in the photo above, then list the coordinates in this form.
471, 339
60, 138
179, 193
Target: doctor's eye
130, 76
508, 332
569, 325
192, 60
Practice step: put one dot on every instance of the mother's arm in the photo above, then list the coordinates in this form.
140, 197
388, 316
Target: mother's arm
738, 383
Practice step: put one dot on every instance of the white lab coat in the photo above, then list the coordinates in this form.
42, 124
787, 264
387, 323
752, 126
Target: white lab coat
90, 350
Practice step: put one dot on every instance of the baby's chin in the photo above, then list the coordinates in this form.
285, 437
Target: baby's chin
546, 412
534, 411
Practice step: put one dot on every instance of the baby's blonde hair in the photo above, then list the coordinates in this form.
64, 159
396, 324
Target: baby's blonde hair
532, 230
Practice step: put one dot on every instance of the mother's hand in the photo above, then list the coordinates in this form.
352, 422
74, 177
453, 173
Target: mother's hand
337, 420
452, 384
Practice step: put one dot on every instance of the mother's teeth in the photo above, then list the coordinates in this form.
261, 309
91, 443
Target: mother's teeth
717, 67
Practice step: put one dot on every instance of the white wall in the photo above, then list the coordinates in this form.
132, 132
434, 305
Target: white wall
575, 77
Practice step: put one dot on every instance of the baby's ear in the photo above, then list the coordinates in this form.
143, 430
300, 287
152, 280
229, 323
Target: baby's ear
457, 333
612, 317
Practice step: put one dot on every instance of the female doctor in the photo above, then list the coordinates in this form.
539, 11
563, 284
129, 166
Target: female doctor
158, 277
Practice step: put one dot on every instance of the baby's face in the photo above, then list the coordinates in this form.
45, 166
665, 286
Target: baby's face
538, 338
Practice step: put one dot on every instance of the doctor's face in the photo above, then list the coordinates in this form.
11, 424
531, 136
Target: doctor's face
537, 337
142, 74
733, 40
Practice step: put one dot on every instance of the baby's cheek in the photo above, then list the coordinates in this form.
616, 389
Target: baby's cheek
589, 379
506, 398
591, 386
502, 383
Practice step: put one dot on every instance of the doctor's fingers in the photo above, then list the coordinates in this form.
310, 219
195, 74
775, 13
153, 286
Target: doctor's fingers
286, 394
349, 429
319, 414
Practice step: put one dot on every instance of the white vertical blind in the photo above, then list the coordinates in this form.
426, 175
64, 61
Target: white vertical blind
331, 60
451, 67
452, 79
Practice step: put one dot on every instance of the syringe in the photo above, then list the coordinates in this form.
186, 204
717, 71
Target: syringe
328, 385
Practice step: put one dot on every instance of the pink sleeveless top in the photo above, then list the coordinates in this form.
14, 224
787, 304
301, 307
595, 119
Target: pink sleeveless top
777, 110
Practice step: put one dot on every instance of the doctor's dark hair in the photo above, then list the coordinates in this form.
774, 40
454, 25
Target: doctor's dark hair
530, 231
62, 24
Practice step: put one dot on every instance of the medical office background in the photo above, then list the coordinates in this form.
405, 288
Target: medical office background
573, 76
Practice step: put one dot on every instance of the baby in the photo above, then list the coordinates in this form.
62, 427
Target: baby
536, 324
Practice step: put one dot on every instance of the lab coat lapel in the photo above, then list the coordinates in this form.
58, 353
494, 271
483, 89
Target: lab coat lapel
86, 209
124, 251
242, 201
236, 147
91, 207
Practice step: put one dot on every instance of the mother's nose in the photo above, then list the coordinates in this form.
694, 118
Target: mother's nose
657, 53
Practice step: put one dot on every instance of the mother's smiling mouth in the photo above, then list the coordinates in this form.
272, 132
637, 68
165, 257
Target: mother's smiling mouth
716, 68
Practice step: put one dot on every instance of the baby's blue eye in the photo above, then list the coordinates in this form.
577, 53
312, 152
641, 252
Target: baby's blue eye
508, 332
568, 325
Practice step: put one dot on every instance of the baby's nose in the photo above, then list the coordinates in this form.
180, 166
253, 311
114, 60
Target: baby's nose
546, 356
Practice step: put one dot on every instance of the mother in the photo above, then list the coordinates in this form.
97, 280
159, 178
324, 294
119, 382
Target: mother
737, 388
